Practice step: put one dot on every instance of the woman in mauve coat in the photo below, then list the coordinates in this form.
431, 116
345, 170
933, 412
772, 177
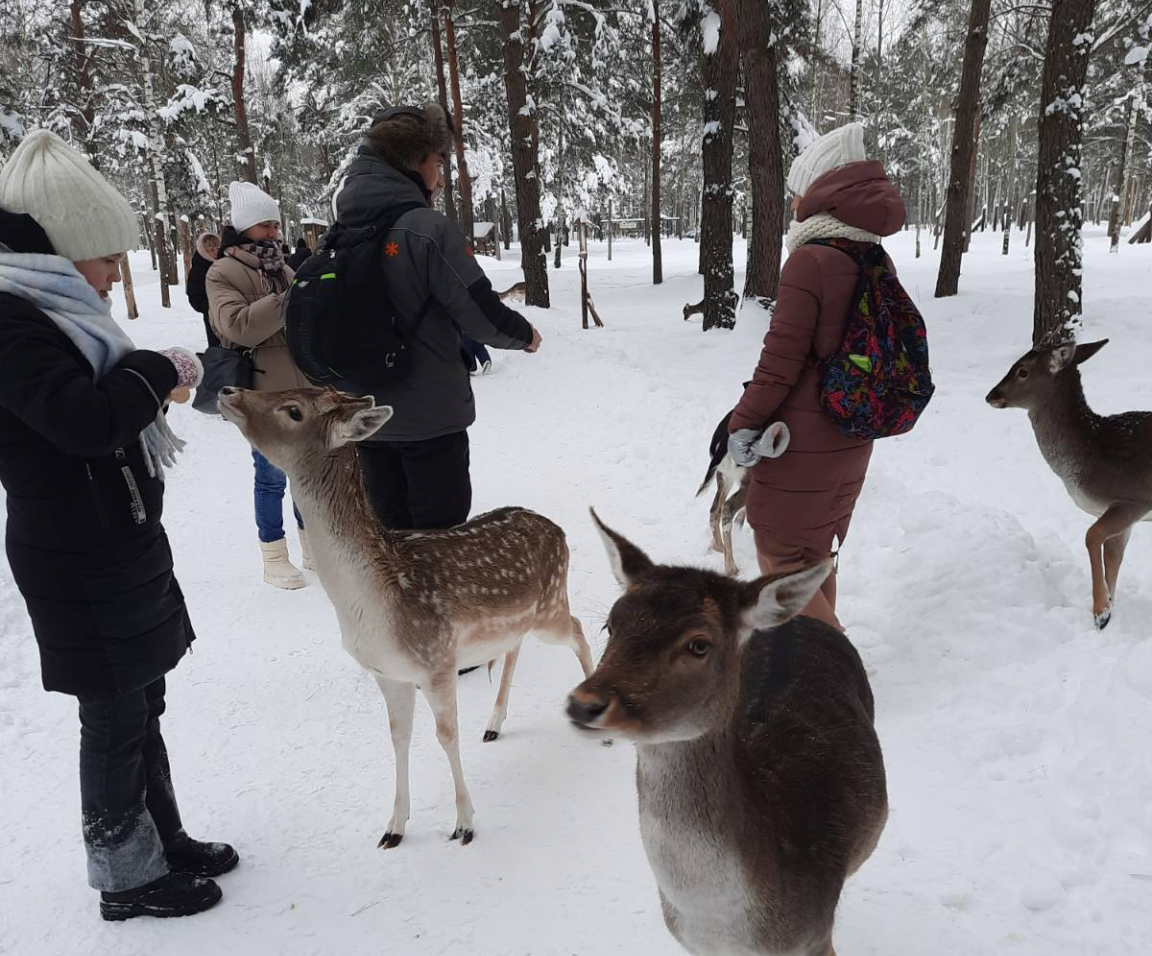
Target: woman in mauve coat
800, 504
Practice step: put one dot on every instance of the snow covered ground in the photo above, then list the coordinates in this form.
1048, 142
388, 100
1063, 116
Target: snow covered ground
1015, 735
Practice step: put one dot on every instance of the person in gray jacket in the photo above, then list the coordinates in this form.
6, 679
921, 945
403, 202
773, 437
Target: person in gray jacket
416, 467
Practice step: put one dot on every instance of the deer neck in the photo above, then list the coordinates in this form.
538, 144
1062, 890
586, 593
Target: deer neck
329, 491
1065, 427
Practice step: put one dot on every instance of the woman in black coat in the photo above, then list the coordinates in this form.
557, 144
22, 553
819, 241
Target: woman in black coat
84, 484
207, 248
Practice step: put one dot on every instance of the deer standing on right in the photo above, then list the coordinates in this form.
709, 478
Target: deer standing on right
1105, 461
760, 776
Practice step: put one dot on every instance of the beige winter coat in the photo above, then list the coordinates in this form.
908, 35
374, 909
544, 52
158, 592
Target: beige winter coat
245, 307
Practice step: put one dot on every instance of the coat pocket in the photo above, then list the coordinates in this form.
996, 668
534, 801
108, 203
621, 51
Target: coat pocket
135, 499
97, 498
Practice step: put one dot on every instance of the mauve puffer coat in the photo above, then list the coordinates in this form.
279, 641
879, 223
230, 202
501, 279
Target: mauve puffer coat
804, 499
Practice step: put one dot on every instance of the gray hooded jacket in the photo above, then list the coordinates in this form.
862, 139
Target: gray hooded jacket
437, 291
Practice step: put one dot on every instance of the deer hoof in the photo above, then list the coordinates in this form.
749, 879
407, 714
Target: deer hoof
464, 836
490, 735
390, 841
1103, 618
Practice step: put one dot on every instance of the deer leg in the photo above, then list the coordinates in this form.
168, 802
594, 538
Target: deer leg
401, 701
500, 711
1116, 521
441, 694
580, 647
715, 511
1113, 556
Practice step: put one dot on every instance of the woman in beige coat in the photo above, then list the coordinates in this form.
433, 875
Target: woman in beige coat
246, 288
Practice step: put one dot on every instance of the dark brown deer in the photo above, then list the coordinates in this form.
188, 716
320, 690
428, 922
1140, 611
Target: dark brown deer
760, 776
413, 607
1105, 461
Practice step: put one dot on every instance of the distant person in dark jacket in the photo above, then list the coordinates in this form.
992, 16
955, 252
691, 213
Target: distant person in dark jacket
83, 448
300, 256
207, 249
416, 467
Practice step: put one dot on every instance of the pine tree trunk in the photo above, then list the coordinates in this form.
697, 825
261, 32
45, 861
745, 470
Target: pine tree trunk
129, 288
465, 181
442, 89
84, 118
854, 80
524, 159
1059, 252
765, 151
956, 224
560, 188
719, 70
970, 213
657, 255
1121, 177
243, 136
1010, 192
609, 230
155, 155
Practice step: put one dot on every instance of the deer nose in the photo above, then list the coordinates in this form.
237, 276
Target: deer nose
586, 709
229, 390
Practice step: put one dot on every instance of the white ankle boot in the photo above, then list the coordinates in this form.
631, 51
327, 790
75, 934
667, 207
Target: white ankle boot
305, 552
278, 570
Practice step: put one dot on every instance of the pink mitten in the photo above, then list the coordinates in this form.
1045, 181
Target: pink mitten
189, 371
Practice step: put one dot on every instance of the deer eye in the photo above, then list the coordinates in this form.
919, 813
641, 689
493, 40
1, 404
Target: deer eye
295, 414
698, 647
1021, 373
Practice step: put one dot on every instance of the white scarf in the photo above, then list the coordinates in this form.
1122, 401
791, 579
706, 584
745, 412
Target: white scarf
824, 226
56, 288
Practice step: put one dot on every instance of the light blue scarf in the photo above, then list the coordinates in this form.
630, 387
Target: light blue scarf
56, 288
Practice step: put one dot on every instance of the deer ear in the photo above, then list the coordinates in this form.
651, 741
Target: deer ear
360, 425
1087, 350
774, 599
1060, 357
628, 561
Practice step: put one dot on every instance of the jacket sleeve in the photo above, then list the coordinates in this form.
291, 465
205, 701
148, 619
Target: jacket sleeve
234, 319
460, 286
53, 392
787, 345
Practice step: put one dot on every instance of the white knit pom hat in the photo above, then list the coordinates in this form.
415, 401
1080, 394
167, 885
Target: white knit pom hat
250, 205
81, 212
837, 148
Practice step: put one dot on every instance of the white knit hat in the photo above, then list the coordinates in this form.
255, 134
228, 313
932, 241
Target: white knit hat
250, 205
82, 214
837, 148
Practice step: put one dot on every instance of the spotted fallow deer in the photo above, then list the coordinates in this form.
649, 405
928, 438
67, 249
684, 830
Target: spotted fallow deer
1105, 461
760, 776
413, 606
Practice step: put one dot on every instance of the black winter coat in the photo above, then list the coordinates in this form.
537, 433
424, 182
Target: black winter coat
300, 256
197, 293
84, 538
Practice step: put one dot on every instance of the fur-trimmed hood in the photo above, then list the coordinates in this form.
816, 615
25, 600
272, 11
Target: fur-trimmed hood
202, 239
403, 140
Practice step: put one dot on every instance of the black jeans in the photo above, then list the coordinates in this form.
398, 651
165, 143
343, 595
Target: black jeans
126, 798
418, 484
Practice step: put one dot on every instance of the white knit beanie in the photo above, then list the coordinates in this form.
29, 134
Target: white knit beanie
250, 205
82, 214
837, 148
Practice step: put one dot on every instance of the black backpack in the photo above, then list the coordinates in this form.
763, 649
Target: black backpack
338, 315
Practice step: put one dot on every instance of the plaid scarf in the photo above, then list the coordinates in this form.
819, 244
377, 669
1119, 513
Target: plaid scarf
265, 255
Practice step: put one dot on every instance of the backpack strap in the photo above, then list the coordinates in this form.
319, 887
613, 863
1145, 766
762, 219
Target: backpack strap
343, 237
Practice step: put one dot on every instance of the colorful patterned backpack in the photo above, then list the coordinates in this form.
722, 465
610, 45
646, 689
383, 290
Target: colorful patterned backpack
878, 382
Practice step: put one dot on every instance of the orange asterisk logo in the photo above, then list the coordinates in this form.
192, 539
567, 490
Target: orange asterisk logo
392, 249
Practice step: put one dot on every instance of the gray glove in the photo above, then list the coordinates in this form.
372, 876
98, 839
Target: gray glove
748, 446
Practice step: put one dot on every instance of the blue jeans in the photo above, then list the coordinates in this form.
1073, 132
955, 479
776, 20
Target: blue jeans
474, 352
270, 485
